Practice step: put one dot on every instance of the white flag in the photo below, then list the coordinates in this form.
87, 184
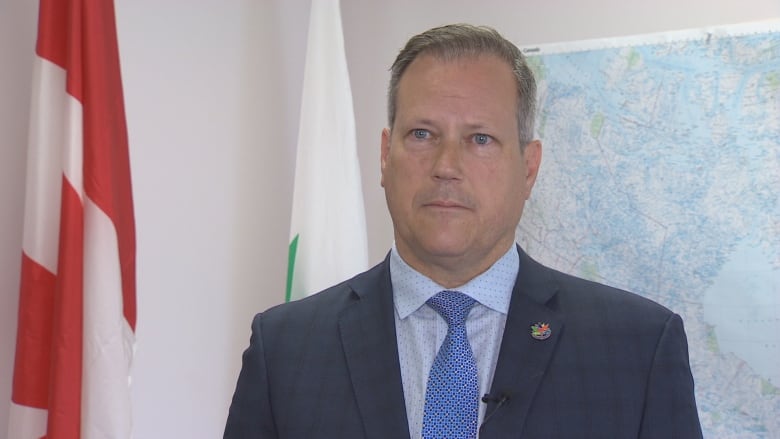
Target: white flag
328, 227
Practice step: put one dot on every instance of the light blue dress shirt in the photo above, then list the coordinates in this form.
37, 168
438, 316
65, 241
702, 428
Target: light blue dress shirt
421, 330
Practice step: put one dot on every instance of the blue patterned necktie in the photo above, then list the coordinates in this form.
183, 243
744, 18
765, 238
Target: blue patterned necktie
452, 395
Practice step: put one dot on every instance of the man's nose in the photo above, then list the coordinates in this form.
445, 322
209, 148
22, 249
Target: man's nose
448, 163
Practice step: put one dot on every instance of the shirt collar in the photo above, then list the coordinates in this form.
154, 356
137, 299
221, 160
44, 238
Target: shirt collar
493, 288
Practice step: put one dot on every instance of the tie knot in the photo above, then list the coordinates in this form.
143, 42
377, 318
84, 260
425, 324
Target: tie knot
453, 306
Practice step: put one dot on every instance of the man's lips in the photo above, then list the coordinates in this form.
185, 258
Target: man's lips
448, 204
445, 199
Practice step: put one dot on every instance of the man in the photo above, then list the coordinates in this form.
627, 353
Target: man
457, 309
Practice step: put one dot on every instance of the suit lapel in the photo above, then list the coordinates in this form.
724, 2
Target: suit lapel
523, 360
367, 329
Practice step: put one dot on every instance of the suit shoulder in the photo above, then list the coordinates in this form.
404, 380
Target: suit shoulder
329, 302
585, 297
607, 292
324, 304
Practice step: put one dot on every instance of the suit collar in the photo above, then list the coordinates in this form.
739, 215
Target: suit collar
367, 328
522, 359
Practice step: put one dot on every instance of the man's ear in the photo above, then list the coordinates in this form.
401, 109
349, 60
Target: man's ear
383, 154
532, 156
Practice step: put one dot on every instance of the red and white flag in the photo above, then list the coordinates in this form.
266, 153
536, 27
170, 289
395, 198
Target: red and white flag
77, 298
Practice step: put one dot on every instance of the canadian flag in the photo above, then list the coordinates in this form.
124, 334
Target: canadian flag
77, 297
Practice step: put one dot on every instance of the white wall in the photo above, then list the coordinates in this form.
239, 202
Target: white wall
17, 45
212, 93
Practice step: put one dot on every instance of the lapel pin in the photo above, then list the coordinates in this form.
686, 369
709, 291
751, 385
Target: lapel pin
540, 331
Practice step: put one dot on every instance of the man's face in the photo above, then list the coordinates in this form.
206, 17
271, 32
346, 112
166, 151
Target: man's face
454, 172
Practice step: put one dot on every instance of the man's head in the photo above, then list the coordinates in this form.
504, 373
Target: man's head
457, 166
463, 40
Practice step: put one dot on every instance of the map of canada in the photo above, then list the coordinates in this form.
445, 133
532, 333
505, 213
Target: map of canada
661, 175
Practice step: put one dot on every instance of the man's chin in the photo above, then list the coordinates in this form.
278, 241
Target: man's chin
444, 250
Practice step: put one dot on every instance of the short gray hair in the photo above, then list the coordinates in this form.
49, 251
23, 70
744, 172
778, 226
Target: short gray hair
464, 40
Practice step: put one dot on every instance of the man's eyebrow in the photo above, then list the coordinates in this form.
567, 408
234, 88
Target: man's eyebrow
477, 126
420, 121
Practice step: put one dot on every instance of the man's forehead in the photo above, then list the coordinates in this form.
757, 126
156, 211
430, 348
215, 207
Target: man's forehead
430, 71
431, 68
481, 95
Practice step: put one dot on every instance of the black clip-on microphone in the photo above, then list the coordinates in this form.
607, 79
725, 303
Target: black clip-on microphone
500, 400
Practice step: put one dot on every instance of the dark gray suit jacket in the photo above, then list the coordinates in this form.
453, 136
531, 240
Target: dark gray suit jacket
615, 366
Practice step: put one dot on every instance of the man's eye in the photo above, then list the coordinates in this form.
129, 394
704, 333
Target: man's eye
420, 134
481, 139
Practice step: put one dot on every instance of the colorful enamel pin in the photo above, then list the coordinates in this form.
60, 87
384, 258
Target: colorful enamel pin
540, 331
